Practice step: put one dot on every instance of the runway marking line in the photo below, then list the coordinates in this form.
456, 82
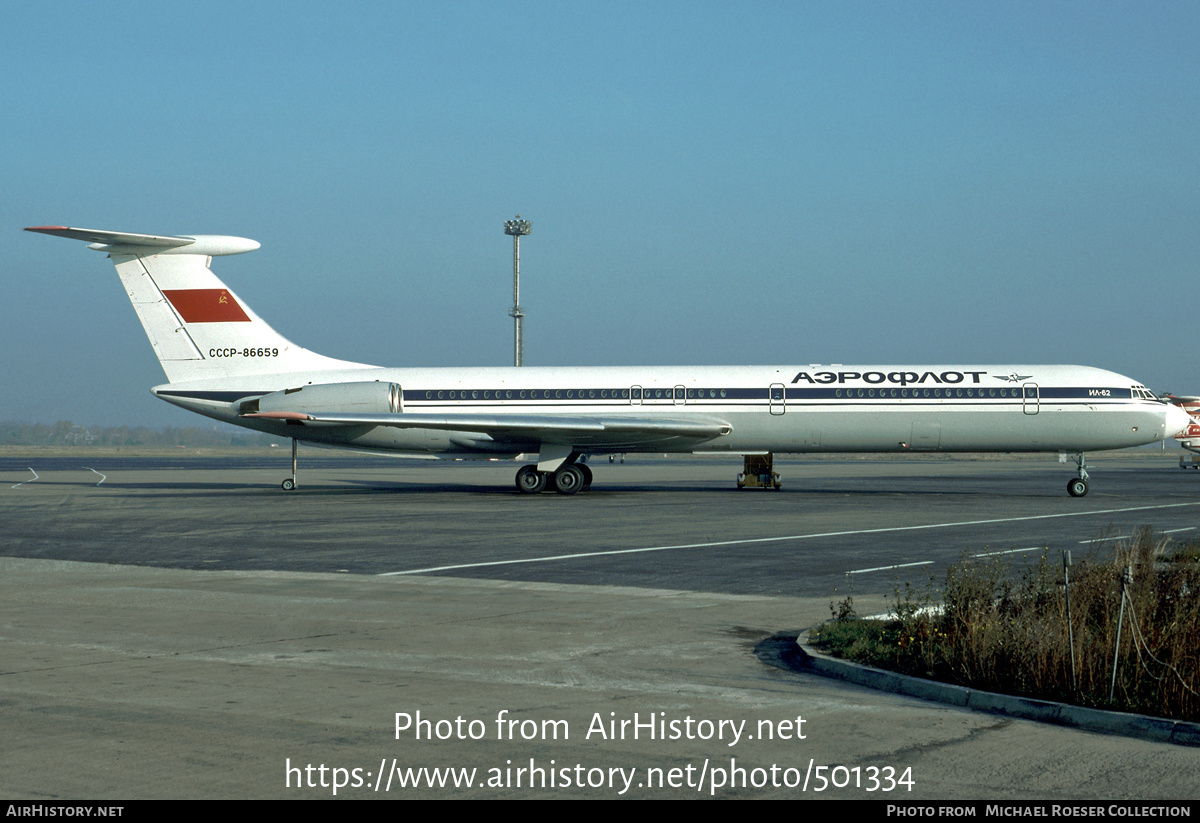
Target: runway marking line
889, 568
23, 482
1010, 551
751, 540
1112, 537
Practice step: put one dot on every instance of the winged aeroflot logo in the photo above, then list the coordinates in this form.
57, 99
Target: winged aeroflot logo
1012, 378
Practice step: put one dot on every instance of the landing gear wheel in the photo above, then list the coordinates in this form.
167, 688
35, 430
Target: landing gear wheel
288, 484
1077, 487
568, 479
587, 476
530, 480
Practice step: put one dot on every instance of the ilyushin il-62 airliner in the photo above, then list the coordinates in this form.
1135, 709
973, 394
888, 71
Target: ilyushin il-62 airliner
221, 360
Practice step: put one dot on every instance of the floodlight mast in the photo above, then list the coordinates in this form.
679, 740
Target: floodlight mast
516, 228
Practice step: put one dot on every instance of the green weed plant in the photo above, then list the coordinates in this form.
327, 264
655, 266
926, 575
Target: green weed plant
993, 626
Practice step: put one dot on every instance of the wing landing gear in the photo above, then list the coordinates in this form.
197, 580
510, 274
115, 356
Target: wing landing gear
570, 478
530, 480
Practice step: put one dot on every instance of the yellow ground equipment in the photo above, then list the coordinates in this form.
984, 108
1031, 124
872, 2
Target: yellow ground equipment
757, 472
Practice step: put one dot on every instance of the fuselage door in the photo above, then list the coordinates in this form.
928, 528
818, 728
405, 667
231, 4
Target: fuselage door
680, 395
1030, 398
778, 395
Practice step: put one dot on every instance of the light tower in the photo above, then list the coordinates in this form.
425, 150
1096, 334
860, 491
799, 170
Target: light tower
516, 228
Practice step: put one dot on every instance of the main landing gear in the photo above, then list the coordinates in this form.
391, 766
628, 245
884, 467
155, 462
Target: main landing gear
570, 478
1077, 486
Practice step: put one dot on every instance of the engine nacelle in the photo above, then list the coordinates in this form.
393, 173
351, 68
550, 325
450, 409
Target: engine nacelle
360, 398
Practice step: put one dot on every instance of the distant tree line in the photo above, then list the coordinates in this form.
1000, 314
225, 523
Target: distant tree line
69, 433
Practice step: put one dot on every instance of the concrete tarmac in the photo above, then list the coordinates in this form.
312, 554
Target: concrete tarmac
195, 632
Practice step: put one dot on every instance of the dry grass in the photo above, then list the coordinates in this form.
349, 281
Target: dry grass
1004, 630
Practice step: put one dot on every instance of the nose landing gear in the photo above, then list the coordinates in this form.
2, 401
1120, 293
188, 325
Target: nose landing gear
1078, 486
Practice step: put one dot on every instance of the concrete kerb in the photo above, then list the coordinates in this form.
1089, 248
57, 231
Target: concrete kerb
1178, 732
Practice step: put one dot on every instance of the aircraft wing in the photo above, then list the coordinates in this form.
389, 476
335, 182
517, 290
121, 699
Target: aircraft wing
622, 430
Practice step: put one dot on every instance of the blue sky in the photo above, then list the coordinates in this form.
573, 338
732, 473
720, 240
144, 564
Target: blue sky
709, 183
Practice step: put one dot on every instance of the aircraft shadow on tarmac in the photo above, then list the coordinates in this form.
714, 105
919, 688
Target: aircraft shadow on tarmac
347, 487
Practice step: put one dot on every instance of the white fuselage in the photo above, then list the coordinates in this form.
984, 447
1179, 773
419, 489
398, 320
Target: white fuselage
223, 360
781, 409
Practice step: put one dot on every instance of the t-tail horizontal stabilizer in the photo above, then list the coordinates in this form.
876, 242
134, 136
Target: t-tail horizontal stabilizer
209, 245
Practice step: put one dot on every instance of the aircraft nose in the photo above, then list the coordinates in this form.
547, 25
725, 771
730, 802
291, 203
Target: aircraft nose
1177, 421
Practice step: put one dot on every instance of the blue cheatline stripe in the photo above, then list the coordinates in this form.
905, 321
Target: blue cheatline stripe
728, 396
1096, 395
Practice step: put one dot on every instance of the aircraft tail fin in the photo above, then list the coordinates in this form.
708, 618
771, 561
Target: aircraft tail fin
198, 327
